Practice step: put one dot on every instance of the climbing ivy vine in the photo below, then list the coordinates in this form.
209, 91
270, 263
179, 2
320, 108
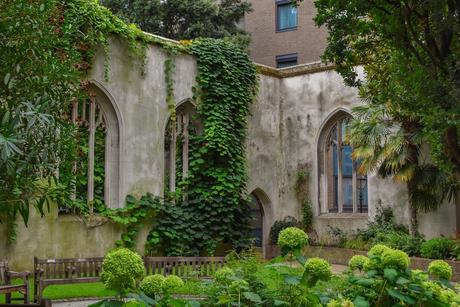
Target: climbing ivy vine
212, 205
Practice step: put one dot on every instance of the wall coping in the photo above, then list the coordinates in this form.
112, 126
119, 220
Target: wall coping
293, 71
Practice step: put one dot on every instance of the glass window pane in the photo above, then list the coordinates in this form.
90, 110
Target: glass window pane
347, 194
347, 161
287, 16
361, 192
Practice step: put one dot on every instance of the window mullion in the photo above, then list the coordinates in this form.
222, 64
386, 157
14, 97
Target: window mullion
91, 141
339, 170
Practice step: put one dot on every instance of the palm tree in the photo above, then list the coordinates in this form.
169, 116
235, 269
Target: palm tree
383, 145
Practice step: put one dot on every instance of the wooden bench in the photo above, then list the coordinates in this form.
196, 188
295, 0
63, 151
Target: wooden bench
6, 276
64, 271
200, 267
83, 270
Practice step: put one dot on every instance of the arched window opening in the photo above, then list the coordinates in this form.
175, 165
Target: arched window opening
257, 222
94, 171
344, 186
178, 136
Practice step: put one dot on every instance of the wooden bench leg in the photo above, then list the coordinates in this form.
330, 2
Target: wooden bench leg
7, 298
26, 294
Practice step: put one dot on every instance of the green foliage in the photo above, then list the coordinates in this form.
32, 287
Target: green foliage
400, 240
396, 259
47, 47
216, 208
440, 269
172, 283
185, 19
357, 262
292, 239
438, 248
223, 275
301, 189
317, 269
307, 215
275, 230
121, 270
410, 54
152, 285
340, 303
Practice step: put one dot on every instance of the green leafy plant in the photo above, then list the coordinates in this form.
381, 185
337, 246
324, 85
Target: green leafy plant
440, 269
292, 240
438, 248
317, 269
357, 262
278, 226
122, 269
152, 285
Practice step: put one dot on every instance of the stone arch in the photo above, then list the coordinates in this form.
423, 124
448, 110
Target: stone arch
338, 183
112, 118
267, 216
186, 117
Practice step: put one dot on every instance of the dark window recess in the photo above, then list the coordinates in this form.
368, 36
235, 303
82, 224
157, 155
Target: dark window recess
286, 15
286, 60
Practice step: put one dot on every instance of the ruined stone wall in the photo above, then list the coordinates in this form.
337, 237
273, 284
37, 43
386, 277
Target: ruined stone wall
284, 127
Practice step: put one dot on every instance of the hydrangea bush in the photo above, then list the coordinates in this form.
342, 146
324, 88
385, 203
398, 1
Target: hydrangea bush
440, 269
152, 285
317, 269
172, 283
292, 239
121, 270
357, 262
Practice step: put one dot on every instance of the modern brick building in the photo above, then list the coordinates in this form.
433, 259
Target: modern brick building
283, 35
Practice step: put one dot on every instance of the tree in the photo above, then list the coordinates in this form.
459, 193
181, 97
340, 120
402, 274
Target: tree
410, 53
185, 19
392, 149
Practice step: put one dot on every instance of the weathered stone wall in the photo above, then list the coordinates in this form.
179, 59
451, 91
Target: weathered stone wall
292, 107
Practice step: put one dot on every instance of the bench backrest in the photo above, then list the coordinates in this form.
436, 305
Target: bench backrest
67, 268
183, 266
3, 272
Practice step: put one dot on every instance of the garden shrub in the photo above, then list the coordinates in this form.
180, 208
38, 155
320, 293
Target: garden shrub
438, 248
395, 259
378, 250
440, 269
357, 262
172, 283
222, 275
399, 240
275, 230
292, 239
121, 270
340, 303
317, 269
152, 285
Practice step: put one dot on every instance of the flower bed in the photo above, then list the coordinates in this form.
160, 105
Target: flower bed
337, 255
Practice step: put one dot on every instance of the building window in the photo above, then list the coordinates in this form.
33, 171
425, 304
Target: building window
286, 15
344, 187
286, 60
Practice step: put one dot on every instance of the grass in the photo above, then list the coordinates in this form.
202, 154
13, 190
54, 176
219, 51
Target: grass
66, 291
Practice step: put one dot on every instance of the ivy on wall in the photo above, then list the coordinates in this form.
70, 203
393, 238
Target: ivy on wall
212, 206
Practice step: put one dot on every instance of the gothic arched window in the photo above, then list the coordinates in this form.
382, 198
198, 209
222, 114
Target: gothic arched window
342, 188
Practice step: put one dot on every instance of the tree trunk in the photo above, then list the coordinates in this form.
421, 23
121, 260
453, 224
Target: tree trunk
413, 221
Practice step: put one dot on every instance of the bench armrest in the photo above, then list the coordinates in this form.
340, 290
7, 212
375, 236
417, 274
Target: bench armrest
23, 275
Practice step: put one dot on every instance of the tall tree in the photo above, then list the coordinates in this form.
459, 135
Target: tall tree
393, 149
410, 51
185, 19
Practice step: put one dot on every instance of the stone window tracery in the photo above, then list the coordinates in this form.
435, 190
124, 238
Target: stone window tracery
344, 188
